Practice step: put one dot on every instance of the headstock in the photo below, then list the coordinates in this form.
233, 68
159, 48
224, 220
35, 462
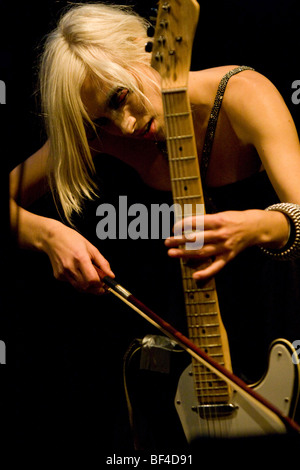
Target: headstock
173, 41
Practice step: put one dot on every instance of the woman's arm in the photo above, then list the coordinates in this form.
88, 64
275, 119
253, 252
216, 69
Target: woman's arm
71, 255
260, 117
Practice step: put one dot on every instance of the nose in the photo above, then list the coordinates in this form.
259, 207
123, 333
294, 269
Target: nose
127, 123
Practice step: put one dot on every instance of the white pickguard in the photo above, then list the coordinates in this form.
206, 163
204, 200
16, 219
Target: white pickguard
280, 386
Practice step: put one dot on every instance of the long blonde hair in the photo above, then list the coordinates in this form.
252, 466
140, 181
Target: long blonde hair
106, 42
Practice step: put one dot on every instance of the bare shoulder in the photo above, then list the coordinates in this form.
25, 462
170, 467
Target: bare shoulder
252, 103
249, 86
203, 84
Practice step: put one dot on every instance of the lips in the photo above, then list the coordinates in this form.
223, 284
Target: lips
149, 129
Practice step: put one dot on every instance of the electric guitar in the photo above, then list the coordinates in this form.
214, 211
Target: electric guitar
206, 404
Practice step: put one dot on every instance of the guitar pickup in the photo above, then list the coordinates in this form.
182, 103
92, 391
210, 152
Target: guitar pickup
215, 411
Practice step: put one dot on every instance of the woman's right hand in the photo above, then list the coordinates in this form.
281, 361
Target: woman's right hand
75, 260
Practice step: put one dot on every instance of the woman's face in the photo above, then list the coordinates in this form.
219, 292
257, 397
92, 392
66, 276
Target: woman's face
120, 111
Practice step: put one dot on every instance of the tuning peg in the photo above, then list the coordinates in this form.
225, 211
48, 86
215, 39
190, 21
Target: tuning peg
153, 15
150, 31
149, 46
166, 6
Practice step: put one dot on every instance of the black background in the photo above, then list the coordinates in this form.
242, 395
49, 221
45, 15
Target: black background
54, 336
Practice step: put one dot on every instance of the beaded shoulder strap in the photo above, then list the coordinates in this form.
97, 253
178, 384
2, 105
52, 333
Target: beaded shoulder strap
212, 122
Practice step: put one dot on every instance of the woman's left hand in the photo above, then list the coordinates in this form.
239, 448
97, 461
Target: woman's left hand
225, 235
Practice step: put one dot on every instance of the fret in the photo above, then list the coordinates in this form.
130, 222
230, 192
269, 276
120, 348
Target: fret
176, 159
211, 336
197, 315
209, 375
185, 178
180, 137
170, 115
215, 337
187, 197
201, 315
169, 91
208, 381
201, 302
204, 289
216, 345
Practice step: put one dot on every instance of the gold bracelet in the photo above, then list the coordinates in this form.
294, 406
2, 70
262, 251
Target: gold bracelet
292, 248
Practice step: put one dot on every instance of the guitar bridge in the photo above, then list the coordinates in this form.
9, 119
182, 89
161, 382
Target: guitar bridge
218, 410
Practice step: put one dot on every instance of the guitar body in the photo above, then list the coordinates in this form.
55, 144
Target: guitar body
280, 386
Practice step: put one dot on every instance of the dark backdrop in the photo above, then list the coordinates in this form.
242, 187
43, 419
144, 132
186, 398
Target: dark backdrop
62, 346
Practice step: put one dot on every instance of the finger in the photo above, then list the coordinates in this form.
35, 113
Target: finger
177, 241
185, 253
192, 240
210, 271
84, 277
198, 223
101, 263
75, 278
189, 223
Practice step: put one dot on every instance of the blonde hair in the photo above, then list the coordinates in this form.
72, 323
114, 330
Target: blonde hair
106, 42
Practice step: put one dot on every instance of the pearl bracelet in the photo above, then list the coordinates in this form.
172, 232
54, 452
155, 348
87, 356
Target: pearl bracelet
292, 249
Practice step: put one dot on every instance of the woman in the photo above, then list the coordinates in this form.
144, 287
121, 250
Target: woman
100, 96
79, 75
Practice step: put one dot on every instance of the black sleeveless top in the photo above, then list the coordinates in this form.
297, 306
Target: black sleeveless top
259, 297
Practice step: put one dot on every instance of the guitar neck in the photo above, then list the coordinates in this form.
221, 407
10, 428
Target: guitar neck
205, 327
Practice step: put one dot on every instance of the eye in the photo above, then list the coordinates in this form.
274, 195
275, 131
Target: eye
118, 97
